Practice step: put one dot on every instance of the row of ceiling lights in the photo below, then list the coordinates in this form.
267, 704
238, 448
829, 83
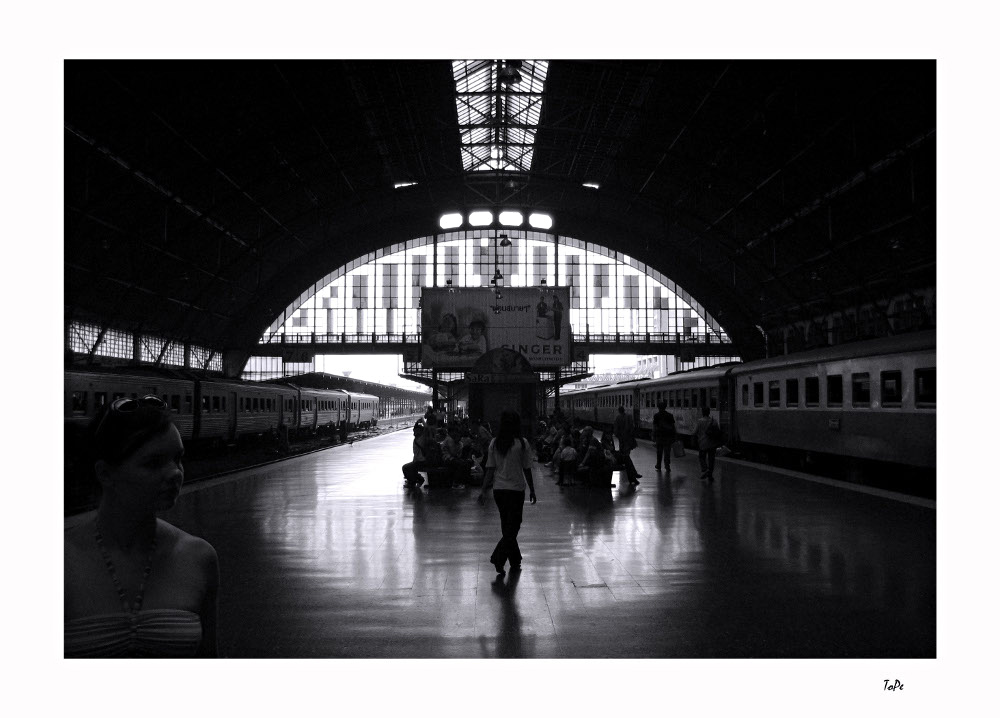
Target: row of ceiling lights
484, 218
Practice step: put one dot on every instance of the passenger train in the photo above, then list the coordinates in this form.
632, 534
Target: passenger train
873, 400
217, 409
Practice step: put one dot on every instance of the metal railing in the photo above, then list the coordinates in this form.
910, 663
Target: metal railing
341, 338
376, 338
651, 338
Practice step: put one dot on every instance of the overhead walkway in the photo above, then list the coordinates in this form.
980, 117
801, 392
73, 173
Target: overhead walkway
408, 344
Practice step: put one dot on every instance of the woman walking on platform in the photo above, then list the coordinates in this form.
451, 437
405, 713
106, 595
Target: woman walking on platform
508, 469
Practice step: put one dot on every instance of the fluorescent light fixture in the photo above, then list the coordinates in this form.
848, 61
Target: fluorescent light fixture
511, 218
481, 218
592, 185
397, 185
540, 221
450, 221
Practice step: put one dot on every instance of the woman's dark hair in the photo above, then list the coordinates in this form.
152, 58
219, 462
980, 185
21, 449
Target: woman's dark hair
510, 429
116, 433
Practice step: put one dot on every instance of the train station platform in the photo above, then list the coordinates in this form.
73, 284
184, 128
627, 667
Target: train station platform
328, 555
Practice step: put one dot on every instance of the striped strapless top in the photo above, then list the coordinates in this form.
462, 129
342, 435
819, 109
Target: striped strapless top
149, 633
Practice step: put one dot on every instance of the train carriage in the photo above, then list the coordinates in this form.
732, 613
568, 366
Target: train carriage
873, 400
232, 409
363, 410
85, 392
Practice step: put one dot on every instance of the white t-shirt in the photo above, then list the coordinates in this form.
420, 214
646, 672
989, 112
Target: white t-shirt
510, 466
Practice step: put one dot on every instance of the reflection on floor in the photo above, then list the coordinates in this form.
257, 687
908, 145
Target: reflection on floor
328, 555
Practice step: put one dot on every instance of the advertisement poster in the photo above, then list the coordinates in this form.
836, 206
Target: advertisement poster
460, 325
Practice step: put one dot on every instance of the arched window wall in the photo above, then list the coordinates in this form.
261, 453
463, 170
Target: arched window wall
610, 292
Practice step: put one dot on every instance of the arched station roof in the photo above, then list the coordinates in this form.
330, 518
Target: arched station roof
203, 197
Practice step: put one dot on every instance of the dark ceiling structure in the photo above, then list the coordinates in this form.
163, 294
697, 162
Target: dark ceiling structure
201, 198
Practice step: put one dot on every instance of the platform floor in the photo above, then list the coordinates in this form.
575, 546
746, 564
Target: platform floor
329, 555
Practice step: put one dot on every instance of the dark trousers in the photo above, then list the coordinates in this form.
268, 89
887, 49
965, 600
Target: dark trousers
410, 471
627, 464
706, 457
663, 452
511, 506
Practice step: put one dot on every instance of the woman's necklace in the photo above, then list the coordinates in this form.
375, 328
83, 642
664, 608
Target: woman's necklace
137, 604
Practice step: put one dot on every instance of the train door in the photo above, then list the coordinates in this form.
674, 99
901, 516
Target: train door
281, 409
232, 416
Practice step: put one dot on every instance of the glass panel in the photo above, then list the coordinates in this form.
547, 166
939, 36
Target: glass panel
758, 393
892, 388
791, 392
834, 390
774, 393
860, 390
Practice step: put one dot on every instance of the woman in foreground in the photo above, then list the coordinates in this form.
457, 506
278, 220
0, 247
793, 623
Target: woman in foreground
136, 586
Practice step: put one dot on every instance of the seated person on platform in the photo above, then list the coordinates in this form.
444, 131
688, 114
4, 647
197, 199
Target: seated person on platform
567, 462
593, 466
420, 456
612, 455
135, 585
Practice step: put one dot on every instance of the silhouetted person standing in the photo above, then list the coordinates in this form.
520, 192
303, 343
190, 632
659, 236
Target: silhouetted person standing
625, 431
707, 433
508, 469
664, 434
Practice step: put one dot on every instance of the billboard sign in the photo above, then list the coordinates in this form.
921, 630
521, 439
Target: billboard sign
460, 325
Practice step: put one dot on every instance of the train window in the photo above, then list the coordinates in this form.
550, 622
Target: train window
892, 388
774, 393
206, 404
687, 398
79, 403
758, 393
100, 399
834, 390
746, 395
215, 403
812, 391
791, 392
222, 403
256, 406
713, 398
861, 390
187, 403
117, 395
175, 403
703, 397
694, 398
925, 380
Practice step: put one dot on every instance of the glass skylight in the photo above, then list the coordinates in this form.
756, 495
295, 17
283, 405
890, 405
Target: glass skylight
497, 122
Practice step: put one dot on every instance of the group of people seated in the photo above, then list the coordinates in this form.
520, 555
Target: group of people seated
456, 445
575, 453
